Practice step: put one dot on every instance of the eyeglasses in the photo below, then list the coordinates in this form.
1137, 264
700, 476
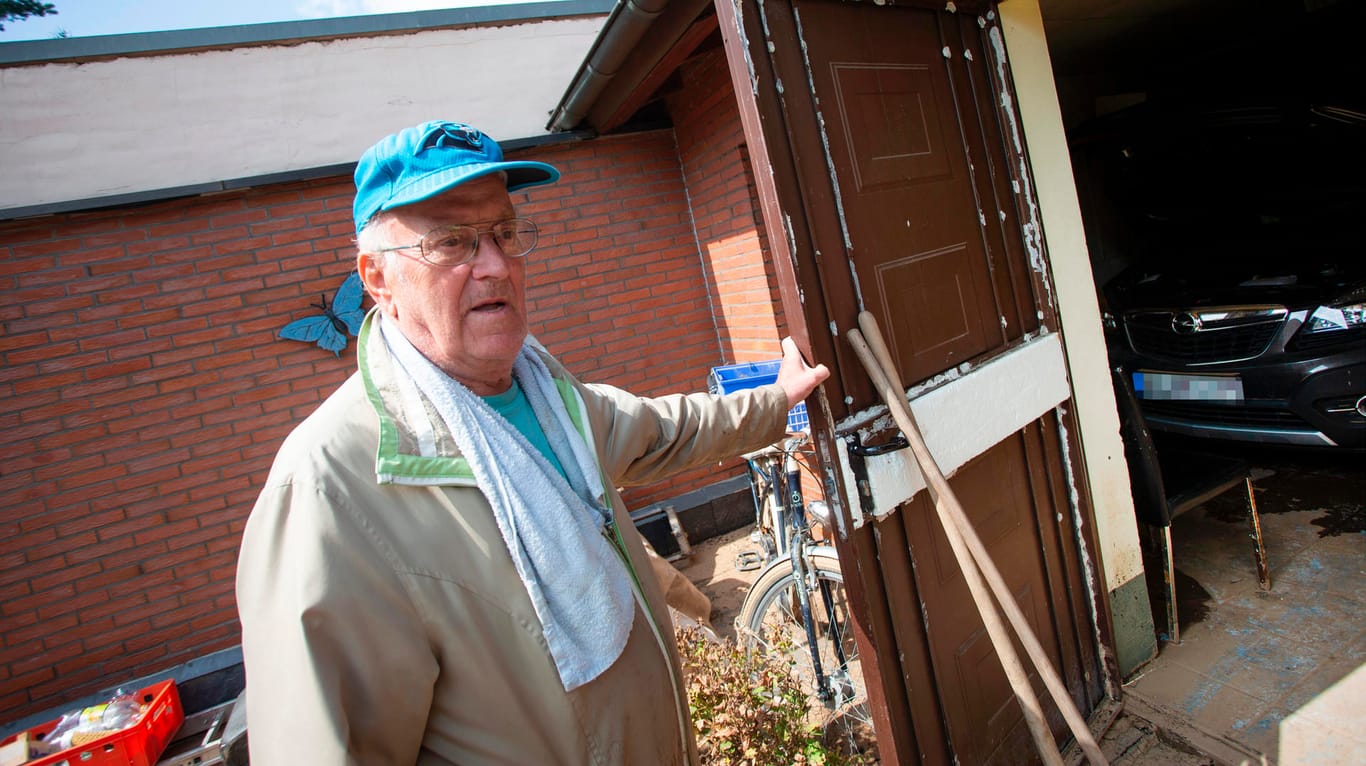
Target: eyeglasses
453, 245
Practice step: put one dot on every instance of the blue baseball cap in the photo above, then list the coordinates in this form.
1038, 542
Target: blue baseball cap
423, 161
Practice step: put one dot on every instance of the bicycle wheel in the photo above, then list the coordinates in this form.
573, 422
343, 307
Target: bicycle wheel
771, 621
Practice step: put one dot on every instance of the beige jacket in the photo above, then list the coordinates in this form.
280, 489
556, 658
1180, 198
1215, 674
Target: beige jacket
385, 623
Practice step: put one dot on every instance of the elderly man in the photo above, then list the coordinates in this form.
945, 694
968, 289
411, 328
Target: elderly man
436, 570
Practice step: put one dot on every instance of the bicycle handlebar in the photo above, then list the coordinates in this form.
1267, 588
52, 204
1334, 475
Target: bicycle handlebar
784, 446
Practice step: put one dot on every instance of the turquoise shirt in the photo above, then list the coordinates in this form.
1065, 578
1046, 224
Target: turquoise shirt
513, 405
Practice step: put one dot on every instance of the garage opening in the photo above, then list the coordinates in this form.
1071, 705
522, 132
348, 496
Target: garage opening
1219, 154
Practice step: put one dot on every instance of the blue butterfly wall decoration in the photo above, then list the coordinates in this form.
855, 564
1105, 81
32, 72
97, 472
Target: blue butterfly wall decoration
343, 317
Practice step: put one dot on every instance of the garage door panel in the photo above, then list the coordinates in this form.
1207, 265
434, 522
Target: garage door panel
896, 138
940, 312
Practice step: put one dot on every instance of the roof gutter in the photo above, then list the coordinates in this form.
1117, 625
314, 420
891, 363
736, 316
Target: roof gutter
636, 37
627, 24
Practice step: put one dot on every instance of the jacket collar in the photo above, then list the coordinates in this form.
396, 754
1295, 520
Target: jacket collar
415, 445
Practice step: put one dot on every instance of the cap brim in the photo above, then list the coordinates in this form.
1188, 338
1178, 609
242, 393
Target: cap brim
520, 175
525, 174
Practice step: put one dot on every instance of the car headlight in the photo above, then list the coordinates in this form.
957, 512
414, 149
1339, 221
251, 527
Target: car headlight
1349, 313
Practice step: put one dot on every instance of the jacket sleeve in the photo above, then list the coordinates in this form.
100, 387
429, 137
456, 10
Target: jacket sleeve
338, 667
648, 439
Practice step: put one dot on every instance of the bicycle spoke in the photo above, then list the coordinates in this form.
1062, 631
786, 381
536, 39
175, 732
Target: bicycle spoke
799, 600
775, 626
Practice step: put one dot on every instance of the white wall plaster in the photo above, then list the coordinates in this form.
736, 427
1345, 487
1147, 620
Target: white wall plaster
1032, 230
73, 131
1092, 395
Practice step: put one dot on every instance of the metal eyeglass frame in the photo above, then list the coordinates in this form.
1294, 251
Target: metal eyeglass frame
424, 250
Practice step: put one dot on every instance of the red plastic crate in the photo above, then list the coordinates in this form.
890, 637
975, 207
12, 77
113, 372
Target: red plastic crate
139, 745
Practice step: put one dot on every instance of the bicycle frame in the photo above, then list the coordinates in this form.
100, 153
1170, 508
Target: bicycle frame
768, 508
775, 486
775, 483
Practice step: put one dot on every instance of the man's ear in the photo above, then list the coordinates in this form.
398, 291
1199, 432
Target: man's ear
370, 266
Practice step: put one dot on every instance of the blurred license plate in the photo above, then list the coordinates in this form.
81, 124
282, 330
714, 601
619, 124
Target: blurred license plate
1200, 388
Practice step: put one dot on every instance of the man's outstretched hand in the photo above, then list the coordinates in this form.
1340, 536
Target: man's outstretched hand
797, 377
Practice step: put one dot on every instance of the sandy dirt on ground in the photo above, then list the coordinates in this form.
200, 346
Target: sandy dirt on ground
714, 566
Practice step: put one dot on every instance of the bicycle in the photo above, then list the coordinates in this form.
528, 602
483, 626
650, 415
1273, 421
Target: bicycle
797, 606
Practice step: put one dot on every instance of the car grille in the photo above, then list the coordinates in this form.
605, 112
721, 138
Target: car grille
1207, 336
1224, 414
1329, 341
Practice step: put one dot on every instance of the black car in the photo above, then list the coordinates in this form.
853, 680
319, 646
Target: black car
1242, 311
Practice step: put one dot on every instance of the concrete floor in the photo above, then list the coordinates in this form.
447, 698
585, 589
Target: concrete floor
1273, 676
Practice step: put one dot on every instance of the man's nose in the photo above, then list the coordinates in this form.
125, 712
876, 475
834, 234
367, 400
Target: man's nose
489, 261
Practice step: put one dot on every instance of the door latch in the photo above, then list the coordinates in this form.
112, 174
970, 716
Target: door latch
858, 454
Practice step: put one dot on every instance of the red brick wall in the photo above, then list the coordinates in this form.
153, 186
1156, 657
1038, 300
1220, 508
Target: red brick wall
145, 392
711, 145
618, 295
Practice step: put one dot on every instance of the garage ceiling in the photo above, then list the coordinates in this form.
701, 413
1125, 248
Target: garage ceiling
1108, 54
1117, 49
1136, 39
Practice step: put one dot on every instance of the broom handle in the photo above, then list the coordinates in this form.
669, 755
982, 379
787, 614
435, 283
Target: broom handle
960, 533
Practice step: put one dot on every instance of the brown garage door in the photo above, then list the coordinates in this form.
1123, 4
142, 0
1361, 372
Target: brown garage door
891, 161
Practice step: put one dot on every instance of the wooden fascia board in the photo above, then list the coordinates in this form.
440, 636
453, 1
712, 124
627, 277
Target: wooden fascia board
654, 46
645, 90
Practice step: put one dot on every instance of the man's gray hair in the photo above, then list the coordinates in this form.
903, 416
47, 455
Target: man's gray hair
373, 237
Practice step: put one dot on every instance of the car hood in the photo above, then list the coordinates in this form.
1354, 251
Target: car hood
1197, 279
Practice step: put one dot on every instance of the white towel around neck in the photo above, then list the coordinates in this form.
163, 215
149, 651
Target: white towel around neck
556, 531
